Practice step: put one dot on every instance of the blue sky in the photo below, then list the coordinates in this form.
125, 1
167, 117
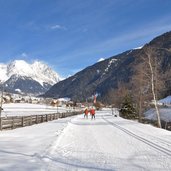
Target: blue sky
70, 35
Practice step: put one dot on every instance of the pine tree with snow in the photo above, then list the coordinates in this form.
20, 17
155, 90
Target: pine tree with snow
127, 110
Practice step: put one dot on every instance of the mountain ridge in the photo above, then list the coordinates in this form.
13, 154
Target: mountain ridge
106, 75
39, 76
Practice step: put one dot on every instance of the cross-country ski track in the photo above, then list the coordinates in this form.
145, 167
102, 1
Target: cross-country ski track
106, 143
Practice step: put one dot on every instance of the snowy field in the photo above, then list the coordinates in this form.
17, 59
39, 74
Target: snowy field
21, 109
74, 143
166, 101
165, 114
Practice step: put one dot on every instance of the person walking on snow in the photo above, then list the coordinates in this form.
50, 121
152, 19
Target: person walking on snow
92, 112
86, 113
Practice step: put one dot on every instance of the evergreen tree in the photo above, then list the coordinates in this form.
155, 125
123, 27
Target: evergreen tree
127, 109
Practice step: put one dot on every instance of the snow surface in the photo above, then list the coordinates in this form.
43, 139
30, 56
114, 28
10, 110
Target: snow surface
101, 59
166, 101
23, 109
37, 71
65, 99
165, 111
109, 65
74, 143
140, 47
165, 114
3, 71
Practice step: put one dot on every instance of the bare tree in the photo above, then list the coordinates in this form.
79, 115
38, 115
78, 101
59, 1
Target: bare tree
148, 81
154, 82
117, 95
148, 77
114, 96
140, 86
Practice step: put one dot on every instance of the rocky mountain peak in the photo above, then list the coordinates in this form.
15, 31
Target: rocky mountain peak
40, 74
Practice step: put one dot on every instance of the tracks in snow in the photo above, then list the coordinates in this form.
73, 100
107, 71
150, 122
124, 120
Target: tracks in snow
140, 138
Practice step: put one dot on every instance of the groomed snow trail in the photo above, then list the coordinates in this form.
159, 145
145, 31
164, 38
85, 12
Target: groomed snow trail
109, 143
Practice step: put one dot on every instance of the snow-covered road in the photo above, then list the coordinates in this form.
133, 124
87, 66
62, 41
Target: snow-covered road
107, 143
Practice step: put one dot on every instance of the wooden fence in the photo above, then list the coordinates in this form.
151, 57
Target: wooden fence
22, 121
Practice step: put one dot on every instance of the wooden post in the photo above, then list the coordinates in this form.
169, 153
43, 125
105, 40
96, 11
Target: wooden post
13, 123
37, 119
22, 121
46, 117
31, 120
42, 119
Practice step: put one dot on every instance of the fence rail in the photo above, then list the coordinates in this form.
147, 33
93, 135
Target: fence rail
13, 122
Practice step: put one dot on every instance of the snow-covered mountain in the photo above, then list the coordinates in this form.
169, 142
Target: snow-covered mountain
105, 77
34, 78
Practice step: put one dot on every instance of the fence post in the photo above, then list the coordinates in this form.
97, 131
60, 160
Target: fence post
22, 121
36, 119
46, 117
31, 120
13, 124
42, 119
0, 123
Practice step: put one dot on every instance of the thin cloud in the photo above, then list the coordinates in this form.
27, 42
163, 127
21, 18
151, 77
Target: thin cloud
150, 31
24, 55
58, 27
